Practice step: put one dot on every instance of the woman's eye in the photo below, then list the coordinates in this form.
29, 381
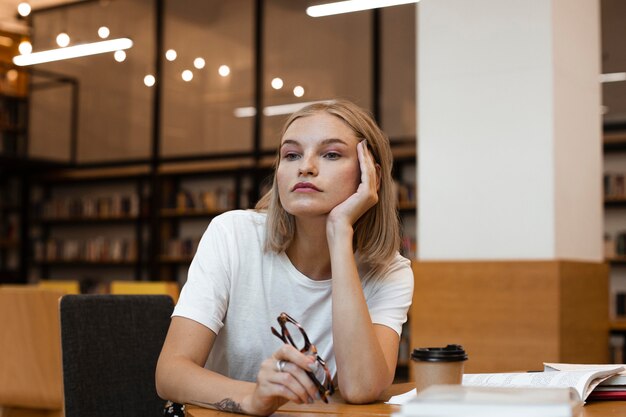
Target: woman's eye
332, 155
290, 156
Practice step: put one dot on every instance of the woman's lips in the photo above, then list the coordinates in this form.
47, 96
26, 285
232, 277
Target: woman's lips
305, 186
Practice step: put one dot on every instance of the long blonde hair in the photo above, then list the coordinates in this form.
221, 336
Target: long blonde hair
377, 232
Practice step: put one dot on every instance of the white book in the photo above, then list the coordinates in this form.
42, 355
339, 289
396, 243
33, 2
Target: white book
618, 379
583, 380
458, 400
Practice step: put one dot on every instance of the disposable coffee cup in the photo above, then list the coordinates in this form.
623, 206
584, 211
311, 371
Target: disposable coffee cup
437, 365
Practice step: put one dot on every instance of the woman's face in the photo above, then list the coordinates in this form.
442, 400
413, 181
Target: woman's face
319, 166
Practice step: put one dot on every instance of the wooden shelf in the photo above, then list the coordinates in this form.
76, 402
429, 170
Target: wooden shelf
407, 207
618, 260
166, 259
88, 220
615, 201
617, 325
614, 141
190, 213
98, 174
9, 244
82, 263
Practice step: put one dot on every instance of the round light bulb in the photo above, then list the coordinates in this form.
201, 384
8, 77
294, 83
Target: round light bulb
23, 9
119, 56
199, 63
298, 91
223, 70
187, 75
63, 39
149, 80
277, 83
25, 47
12, 75
170, 55
103, 32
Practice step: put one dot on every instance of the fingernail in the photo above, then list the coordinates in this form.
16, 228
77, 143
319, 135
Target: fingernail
313, 366
317, 395
311, 400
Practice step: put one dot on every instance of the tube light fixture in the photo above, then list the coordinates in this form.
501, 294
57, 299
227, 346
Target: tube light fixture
75, 51
352, 6
277, 110
612, 77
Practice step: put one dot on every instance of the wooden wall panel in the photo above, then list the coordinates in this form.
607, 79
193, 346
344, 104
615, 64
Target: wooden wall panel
511, 316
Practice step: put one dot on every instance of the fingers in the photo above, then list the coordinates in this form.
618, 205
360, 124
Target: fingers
369, 176
284, 375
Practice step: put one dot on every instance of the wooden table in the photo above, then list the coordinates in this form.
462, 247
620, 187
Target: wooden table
338, 408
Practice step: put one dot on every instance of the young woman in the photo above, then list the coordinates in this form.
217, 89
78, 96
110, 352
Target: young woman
322, 246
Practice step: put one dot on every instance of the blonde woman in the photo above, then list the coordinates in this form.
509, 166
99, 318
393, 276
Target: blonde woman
321, 246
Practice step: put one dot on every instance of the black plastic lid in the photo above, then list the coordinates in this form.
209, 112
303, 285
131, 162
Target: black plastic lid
451, 353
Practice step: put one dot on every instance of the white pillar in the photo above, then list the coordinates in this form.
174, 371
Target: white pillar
509, 154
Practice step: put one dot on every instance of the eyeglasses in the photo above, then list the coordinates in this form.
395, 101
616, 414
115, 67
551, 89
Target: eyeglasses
303, 344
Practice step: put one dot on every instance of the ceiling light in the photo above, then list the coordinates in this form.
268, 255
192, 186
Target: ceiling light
613, 77
223, 70
25, 47
199, 63
63, 39
12, 75
352, 6
277, 83
170, 55
298, 91
149, 80
187, 75
75, 51
119, 56
103, 32
23, 9
277, 110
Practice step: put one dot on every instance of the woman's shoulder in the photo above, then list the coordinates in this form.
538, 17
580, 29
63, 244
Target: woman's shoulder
239, 218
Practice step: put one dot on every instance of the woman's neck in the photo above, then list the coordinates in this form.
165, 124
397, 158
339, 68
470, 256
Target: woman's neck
308, 251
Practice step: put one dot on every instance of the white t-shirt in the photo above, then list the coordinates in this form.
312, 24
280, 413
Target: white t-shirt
237, 290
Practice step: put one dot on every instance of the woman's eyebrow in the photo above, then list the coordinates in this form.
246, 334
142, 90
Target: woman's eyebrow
324, 142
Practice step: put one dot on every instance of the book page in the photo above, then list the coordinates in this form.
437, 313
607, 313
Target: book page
582, 381
618, 379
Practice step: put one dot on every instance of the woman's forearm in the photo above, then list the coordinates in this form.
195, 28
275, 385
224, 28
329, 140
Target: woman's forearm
364, 368
182, 381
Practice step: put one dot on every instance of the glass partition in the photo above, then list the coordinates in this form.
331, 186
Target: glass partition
327, 57
209, 77
115, 107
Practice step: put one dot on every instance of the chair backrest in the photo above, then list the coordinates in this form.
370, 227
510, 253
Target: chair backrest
146, 287
30, 349
67, 286
110, 346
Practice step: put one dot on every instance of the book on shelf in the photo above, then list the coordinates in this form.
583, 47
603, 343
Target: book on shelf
471, 401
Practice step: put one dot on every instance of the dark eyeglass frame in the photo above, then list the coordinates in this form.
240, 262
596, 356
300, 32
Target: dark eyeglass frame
309, 349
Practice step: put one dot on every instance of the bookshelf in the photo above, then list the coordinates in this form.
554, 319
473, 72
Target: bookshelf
615, 237
90, 224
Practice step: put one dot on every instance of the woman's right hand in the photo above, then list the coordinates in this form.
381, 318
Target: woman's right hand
282, 378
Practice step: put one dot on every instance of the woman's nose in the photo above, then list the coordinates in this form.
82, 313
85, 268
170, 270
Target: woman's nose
307, 166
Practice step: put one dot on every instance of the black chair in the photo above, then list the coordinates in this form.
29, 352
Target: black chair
110, 346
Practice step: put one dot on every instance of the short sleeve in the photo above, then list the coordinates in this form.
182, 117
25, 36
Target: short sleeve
204, 297
389, 297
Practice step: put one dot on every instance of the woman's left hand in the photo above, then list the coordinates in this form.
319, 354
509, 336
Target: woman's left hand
366, 195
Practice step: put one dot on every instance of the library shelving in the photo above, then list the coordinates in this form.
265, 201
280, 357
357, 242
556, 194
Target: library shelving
615, 237
90, 223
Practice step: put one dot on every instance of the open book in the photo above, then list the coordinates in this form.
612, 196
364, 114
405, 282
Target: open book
583, 381
613, 388
457, 400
